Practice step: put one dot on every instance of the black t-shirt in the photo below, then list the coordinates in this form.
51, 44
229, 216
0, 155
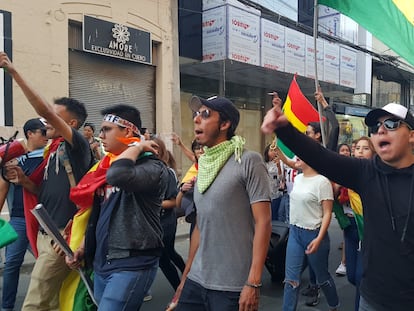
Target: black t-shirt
55, 188
28, 162
167, 215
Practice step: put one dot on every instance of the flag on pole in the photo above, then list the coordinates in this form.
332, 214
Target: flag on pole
299, 111
391, 21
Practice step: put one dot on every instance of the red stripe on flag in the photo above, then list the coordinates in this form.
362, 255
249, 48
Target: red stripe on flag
301, 107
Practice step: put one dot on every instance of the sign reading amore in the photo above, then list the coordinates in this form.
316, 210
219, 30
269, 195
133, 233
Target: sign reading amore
116, 40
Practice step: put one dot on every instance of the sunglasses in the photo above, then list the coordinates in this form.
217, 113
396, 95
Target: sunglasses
205, 114
389, 125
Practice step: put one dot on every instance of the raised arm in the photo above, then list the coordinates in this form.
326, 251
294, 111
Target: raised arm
341, 169
187, 152
40, 105
333, 124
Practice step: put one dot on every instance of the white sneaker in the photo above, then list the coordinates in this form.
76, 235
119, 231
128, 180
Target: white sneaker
341, 270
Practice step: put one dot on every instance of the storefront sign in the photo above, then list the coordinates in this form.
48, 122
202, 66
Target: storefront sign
331, 63
244, 34
310, 58
214, 34
347, 71
295, 52
273, 45
357, 111
116, 40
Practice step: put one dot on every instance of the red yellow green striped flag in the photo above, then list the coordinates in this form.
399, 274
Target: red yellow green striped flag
299, 111
391, 21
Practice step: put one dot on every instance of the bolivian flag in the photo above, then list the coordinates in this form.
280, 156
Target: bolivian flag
391, 21
73, 294
356, 205
299, 111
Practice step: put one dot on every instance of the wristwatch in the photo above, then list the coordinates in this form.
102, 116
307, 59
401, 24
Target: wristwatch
134, 144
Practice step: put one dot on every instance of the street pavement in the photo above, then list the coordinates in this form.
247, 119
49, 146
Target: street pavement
271, 293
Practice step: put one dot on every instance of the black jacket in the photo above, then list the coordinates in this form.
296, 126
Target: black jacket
387, 198
135, 227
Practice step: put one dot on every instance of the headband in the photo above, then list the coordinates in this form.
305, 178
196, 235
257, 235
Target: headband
121, 122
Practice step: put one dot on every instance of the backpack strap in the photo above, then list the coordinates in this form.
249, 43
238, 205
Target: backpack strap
69, 172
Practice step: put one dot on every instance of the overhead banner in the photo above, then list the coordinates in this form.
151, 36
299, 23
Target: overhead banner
310, 58
295, 52
116, 40
214, 28
244, 35
331, 63
347, 68
273, 45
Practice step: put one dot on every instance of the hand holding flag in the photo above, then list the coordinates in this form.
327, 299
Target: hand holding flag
296, 109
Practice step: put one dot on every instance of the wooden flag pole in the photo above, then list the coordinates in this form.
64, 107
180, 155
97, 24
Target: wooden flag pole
315, 36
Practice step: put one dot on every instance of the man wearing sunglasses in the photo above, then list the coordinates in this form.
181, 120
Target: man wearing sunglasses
386, 187
11, 185
229, 243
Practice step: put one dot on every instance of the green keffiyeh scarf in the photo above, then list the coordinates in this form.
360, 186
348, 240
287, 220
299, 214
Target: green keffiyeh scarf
214, 158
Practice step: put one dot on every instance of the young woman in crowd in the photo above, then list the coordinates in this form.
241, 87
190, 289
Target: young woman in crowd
274, 169
170, 260
364, 149
94, 143
310, 214
341, 194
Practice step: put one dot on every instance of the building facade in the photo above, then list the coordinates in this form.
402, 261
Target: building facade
99, 52
245, 49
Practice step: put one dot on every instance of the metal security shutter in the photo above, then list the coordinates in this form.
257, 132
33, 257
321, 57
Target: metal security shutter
100, 81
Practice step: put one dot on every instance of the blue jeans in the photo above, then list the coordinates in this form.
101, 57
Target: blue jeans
284, 207
353, 258
195, 297
124, 290
298, 241
276, 213
14, 259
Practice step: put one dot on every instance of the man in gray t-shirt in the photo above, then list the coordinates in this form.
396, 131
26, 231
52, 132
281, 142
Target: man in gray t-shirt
232, 194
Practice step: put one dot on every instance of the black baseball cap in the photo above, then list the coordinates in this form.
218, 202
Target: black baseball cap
220, 104
34, 124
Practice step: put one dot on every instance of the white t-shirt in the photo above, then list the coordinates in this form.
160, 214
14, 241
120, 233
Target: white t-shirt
306, 201
274, 179
289, 174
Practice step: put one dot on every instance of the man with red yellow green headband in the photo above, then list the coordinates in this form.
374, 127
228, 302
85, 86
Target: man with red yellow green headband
123, 241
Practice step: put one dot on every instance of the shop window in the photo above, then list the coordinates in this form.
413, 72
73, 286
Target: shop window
384, 92
351, 128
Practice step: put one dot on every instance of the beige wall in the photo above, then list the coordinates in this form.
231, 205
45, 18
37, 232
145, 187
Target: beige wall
40, 48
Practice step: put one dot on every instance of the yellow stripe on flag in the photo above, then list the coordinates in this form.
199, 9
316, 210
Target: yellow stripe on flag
407, 8
71, 283
287, 110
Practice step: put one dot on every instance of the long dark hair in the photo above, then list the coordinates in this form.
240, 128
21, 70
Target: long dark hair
266, 153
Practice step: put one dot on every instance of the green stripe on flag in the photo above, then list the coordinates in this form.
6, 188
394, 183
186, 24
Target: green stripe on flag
287, 152
383, 19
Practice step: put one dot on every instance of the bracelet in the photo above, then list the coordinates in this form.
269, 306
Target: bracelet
257, 286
